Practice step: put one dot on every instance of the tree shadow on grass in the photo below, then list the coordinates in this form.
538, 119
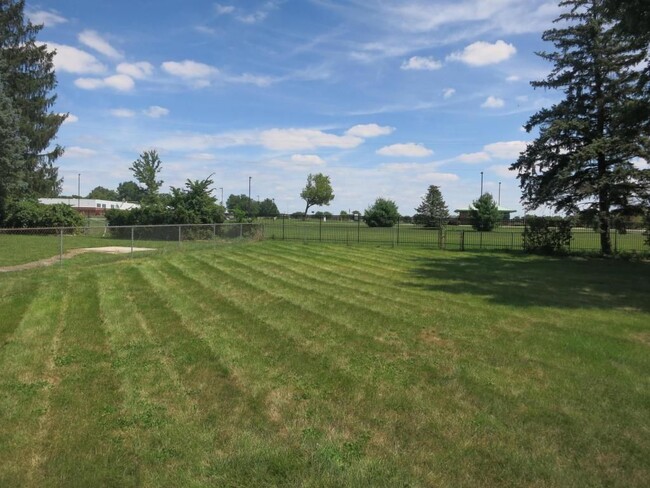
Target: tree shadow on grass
531, 281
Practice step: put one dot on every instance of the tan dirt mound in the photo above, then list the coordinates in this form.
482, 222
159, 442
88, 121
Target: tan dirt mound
72, 253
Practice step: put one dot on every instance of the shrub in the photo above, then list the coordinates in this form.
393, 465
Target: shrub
383, 213
29, 214
547, 235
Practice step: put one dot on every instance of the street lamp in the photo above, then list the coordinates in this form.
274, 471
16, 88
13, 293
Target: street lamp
481, 183
221, 188
499, 201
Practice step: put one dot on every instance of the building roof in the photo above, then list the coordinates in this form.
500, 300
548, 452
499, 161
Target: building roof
89, 203
501, 209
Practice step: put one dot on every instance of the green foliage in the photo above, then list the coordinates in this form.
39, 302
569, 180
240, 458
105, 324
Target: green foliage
433, 211
28, 75
583, 156
145, 170
383, 213
193, 204
12, 149
268, 208
29, 213
101, 193
318, 191
297, 215
242, 205
129, 191
484, 213
544, 235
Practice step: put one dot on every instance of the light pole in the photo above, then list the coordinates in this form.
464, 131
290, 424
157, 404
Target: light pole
481, 183
221, 188
250, 206
499, 201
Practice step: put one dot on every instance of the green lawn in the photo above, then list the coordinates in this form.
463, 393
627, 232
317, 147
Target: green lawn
285, 364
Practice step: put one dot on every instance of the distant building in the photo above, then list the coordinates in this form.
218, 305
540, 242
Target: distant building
464, 213
90, 206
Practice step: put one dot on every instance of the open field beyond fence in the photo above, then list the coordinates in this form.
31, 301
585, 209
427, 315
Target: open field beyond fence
290, 364
24, 245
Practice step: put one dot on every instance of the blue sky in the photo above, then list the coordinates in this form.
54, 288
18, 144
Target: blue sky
386, 97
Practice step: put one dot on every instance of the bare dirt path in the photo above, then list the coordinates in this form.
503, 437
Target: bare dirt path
70, 254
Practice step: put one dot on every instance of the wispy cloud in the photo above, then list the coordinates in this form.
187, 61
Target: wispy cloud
48, 18
94, 41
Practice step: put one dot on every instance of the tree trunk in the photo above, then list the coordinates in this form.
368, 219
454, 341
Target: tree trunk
304, 217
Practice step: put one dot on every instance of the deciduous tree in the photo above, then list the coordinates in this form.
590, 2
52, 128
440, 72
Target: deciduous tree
145, 170
318, 191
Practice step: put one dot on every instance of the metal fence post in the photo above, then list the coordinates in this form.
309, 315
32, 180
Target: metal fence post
615, 241
283, 217
398, 220
214, 234
132, 236
358, 229
241, 230
179, 236
61, 246
462, 240
320, 230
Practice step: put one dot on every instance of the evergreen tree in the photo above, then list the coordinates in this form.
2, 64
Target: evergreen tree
29, 79
584, 154
12, 150
484, 213
383, 213
433, 210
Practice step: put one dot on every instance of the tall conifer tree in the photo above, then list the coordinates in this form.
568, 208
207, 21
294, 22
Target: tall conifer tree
583, 159
29, 79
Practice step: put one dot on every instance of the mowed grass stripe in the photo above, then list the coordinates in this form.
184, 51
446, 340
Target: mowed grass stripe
26, 382
158, 415
14, 302
293, 391
83, 446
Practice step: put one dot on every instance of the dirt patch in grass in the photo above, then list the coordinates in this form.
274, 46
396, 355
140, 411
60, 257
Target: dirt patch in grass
72, 253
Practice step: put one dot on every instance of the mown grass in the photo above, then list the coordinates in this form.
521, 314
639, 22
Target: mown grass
283, 364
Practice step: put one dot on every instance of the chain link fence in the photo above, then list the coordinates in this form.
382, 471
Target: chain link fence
42, 246
49, 245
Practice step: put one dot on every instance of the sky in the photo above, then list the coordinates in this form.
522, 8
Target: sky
386, 97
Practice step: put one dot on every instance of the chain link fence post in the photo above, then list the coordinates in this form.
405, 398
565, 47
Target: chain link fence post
179, 236
283, 218
398, 220
61, 246
132, 238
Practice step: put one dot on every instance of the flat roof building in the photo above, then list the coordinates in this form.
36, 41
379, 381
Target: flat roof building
89, 206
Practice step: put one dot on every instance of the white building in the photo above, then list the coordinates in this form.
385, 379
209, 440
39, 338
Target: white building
90, 206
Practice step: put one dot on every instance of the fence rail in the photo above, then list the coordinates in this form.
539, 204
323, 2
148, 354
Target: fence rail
19, 246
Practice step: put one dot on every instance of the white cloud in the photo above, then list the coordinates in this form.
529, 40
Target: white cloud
138, 70
124, 113
506, 150
493, 102
94, 41
79, 152
73, 60
472, 158
513, 78
247, 78
116, 82
298, 139
47, 18
202, 156
199, 74
223, 9
421, 63
438, 177
155, 112
369, 130
483, 53
448, 93
640, 163
70, 119
307, 159
410, 149
502, 170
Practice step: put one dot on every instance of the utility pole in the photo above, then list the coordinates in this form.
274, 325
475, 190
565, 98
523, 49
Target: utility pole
221, 188
499, 201
250, 202
481, 183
